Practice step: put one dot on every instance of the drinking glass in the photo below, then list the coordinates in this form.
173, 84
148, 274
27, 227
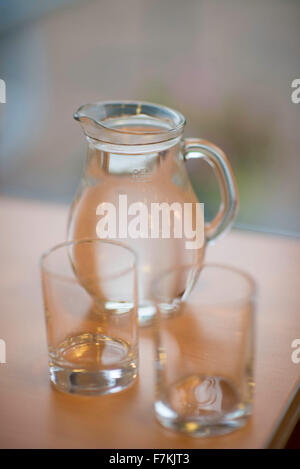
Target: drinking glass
91, 315
204, 359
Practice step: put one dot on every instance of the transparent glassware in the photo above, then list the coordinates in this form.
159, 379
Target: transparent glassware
91, 316
204, 353
137, 149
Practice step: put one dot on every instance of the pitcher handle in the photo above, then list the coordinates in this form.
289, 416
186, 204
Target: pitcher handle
216, 158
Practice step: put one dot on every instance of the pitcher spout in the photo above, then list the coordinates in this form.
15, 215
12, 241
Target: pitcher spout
90, 118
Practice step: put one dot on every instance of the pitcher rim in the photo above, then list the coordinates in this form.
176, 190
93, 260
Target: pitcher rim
176, 119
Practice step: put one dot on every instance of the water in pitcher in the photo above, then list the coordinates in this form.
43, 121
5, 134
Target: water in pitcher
147, 174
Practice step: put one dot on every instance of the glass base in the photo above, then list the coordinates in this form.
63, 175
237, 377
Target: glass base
147, 310
91, 364
90, 383
202, 406
196, 428
146, 313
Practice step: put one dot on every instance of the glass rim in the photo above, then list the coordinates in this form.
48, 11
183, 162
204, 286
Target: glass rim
45, 255
252, 285
142, 107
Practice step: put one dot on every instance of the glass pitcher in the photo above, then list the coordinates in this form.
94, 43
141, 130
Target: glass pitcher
136, 154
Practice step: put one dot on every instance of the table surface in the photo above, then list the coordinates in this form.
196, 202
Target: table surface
34, 415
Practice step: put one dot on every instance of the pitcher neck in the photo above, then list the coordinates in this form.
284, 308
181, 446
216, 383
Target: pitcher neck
129, 160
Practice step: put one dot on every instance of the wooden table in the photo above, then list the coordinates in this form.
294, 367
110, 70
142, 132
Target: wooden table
33, 415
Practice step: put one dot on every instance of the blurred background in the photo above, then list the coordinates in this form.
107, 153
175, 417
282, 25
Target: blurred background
227, 66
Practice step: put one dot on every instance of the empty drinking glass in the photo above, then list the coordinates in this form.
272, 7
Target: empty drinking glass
204, 365
91, 315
